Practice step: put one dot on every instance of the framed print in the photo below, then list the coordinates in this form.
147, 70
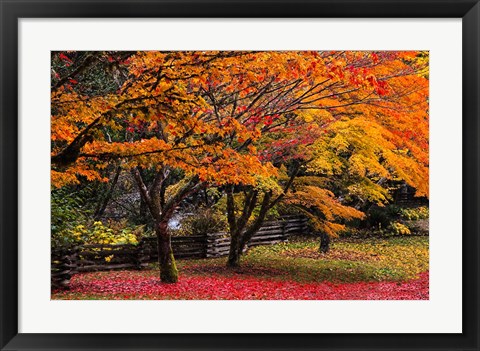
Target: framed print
218, 175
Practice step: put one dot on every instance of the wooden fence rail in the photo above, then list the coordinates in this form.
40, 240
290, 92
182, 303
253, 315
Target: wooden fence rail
87, 258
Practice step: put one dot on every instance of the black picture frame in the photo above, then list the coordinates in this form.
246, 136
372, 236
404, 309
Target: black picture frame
11, 11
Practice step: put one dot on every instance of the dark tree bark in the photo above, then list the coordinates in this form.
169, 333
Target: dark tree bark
70, 154
324, 243
104, 203
143, 216
166, 260
88, 60
161, 211
234, 253
240, 231
237, 227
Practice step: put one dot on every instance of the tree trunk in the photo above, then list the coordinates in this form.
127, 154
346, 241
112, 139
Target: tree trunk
161, 211
144, 216
234, 253
166, 260
324, 243
239, 232
103, 205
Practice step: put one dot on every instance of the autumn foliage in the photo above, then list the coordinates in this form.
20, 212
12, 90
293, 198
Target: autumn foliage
197, 110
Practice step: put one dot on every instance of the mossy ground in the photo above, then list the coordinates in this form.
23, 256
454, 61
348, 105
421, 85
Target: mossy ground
391, 259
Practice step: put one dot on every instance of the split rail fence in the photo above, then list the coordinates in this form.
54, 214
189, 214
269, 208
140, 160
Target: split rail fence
88, 258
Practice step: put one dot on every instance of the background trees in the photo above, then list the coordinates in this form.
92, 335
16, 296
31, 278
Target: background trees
245, 123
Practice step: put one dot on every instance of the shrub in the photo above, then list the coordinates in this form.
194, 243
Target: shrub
98, 233
399, 229
381, 216
204, 221
413, 214
67, 211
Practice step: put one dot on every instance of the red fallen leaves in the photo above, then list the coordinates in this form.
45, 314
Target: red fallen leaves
65, 58
137, 285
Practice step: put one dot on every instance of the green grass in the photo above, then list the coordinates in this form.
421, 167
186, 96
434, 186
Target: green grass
392, 259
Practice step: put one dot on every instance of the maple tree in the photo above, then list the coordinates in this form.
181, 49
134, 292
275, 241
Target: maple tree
182, 121
370, 123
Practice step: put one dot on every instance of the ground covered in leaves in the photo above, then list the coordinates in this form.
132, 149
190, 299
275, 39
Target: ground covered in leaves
373, 269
